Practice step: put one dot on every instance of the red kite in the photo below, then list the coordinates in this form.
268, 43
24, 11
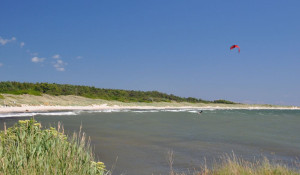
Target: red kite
235, 46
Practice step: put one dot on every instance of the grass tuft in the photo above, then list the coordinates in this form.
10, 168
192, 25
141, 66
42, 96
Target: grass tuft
26, 148
232, 165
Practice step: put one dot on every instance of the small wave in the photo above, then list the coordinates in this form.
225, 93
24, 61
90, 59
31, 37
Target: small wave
110, 110
30, 114
194, 111
60, 113
174, 110
17, 115
149, 110
142, 111
107, 110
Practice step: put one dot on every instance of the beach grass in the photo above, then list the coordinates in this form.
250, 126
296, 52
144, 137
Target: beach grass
232, 165
28, 149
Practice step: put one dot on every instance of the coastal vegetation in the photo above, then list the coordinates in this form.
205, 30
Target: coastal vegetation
37, 89
233, 165
26, 148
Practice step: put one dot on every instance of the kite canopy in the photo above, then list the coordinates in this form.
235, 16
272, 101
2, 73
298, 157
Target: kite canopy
235, 46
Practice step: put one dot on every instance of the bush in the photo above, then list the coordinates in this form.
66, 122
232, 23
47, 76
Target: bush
21, 92
25, 148
224, 102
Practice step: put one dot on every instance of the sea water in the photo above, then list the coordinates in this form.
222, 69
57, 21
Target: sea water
137, 142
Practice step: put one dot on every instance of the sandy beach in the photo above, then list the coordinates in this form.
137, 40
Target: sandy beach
44, 103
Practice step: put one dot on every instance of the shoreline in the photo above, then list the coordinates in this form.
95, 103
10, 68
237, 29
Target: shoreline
42, 108
47, 103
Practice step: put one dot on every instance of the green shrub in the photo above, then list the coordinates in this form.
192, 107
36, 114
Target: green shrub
1, 96
21, 92
25, 148
223, 101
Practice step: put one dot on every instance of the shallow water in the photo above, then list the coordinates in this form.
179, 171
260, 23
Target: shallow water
137, 141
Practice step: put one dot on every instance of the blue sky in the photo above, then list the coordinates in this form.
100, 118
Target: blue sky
173, 46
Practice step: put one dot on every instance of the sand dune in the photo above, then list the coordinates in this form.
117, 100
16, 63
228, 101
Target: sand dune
30, 103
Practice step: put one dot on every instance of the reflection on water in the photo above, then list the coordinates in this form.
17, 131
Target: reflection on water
140, 139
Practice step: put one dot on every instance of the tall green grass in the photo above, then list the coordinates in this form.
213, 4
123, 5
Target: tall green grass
28, 149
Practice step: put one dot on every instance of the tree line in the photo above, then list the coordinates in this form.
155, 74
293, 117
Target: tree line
18, 88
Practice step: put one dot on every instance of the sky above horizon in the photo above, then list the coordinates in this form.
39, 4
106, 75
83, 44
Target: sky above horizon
172, 46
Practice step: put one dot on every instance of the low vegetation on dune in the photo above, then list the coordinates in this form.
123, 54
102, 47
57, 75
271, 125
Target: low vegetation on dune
38, 89
26, 148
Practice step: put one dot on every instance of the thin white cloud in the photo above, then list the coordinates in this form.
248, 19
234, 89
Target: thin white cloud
5, 41
1, 64
32, 54
22, 44
56, 56
59, 64
37, 59
60, 69
79, 57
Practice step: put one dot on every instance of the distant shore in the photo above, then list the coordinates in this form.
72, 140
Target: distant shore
45, 103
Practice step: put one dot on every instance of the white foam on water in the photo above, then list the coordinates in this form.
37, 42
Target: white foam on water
211, 109
60, 113
194, 111
149, 110
146, 110
122, 110
17, 115
30, 114
107, 111
174, 110
110, 110
188, 110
